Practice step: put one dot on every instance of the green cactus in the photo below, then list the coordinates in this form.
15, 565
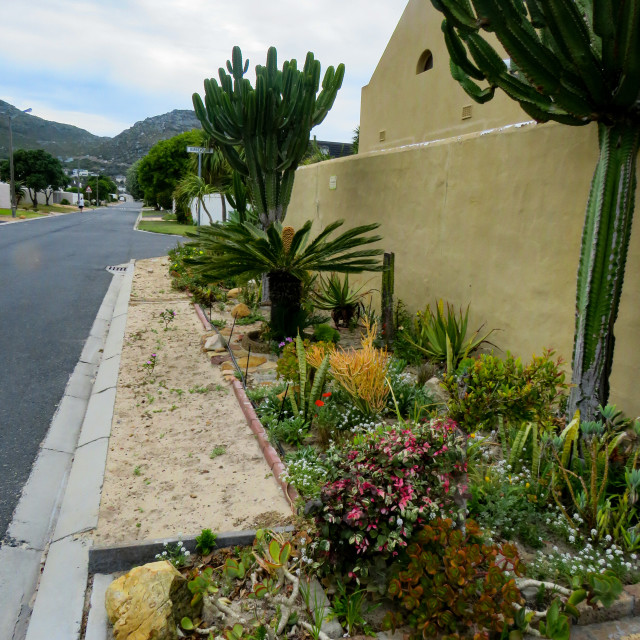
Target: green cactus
574, 62
270, 122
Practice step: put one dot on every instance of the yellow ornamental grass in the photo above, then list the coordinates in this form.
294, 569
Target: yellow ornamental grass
287, 238
362, 372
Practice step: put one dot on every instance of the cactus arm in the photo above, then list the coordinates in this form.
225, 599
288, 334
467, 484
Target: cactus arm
458, 53
569, 27
605, 243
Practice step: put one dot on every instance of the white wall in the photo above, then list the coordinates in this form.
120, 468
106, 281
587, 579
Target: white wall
213, 203
5, 197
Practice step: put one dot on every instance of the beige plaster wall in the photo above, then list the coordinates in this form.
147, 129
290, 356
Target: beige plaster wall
410, 107
493, 220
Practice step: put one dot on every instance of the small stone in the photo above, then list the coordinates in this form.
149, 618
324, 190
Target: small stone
254, 361
240, 311
215, 343
269, 366
434, 386
226, 331
234, 293
216, 360
227, 366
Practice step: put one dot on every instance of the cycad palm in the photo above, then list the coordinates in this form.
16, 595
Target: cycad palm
248, 251
575, 62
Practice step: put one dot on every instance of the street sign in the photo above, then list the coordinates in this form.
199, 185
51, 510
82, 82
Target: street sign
88, 189
199, 150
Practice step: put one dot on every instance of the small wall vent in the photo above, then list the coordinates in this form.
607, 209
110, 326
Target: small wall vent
466, 112
383, 136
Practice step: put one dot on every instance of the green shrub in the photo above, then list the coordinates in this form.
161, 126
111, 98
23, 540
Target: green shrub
451, 584
482, 389
325, 333
64, 201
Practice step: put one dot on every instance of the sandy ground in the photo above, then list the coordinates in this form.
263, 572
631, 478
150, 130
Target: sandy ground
181, 456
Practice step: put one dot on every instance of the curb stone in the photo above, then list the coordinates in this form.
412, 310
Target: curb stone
271, 456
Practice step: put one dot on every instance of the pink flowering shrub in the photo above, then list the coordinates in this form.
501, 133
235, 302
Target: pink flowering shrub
387, 482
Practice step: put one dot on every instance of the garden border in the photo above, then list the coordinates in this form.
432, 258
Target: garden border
268, 451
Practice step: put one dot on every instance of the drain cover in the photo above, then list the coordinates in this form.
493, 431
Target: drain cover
119, 268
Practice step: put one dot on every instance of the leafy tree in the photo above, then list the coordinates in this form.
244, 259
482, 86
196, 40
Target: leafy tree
286, 256
101, 187
355, 141
37, 170
162, 168
131, 182
271, 123
574, 62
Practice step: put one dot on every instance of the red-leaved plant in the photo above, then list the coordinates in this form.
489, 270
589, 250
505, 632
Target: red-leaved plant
385, 483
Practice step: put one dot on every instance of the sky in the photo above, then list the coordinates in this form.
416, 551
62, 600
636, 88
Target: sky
104, 65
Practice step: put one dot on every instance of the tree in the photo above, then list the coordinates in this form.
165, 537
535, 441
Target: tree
131, 182
271, 123
574, 62
38, 171
286, 256
101, 187
162, 168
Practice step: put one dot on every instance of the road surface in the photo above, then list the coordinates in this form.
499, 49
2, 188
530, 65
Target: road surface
52, 282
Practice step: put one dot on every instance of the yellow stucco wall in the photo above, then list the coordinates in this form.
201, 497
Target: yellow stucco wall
493, 220
410, 107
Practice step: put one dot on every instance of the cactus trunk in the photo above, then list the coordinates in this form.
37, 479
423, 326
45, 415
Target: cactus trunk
605, 241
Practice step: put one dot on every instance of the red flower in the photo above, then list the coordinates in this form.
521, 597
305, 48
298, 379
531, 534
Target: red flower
319, 403
327, 394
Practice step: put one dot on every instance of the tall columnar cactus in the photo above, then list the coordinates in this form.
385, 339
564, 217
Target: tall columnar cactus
271, 122
574, 62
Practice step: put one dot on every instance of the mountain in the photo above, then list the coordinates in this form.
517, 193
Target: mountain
110, 155
31, 132
134, 143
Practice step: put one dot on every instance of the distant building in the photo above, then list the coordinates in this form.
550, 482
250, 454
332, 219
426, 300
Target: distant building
334, 149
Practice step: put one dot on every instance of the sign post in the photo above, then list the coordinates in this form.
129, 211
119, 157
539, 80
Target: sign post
199, 151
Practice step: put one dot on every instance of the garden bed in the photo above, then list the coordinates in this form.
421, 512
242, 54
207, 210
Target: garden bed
180, 455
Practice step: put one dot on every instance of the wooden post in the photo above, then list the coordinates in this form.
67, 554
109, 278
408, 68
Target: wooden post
388, 329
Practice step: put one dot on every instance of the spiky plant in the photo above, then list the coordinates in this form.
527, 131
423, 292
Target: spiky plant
574, 62
236, 249
270, 122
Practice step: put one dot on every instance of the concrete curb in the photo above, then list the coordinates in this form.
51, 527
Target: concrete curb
270, 454
109, 559
59, 600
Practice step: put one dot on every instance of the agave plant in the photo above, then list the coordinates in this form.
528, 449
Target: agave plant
442, 337
574, 62
286, 256
339, 298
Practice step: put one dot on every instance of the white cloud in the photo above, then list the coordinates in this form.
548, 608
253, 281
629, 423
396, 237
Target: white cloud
165, 48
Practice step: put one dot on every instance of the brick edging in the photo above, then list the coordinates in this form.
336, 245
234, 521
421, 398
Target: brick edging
268, 451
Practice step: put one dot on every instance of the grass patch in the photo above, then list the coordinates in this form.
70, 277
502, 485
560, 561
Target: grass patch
165, 227
6, 213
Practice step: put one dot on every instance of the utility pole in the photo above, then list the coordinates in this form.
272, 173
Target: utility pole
12, 182
98, 191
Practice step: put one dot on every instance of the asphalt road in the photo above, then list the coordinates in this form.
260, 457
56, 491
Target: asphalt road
52, 282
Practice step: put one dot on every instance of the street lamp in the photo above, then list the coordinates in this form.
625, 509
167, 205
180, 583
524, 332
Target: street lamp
12, 187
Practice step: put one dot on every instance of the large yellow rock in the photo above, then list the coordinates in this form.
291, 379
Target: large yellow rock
234, 293
145, 603
240, 311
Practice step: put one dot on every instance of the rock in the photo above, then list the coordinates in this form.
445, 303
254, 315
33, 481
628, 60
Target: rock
312, 506
269, 366
215, 343
225, 331
254, 361
240, 311
145, 603
220, 359
433, 386
228, 366
234, 293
